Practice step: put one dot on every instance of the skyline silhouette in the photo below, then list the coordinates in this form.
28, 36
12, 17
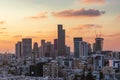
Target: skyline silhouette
38, 19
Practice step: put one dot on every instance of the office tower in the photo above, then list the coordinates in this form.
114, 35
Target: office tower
35, 49
18, 49
48, 49
98, 45
61, 41
89, 49
26, 47
42, 48
42, 42
55, 44
76, 46
35, 52
83, 49
68, 50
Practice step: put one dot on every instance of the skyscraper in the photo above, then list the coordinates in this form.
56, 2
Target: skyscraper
18, 49
83, 49
55, 44
61, 41
42, 48
26, 47
76, 46
98, 45
35, 49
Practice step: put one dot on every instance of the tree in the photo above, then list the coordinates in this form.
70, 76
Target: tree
101, 75
89, 75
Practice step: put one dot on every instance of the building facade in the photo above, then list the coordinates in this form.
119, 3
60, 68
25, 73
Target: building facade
18, 49
61, 41
98, 45
76, 46
26, 47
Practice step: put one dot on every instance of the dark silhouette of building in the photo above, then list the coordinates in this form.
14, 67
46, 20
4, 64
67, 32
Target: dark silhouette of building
98, 45
55, 44
37, 70
18, 49
26, 47
76, 46
36, 49
61, 41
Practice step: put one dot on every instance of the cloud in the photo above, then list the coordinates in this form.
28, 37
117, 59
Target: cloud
87, 26
2, 22
3, 28
5, 41
78, 13
38, 32
1, 32
39, 16
113, 35
17, 36
93, 1
118, 17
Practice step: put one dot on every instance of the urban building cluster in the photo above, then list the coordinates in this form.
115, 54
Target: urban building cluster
55, 61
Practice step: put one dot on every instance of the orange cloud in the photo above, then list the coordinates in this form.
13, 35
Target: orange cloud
1, 32
17, 36
2, 22
113, 35
78, 13
39, 16
119, 17
87, 26
93, 1
3, 28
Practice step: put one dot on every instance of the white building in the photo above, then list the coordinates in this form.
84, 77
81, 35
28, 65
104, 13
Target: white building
50, 69
98, 61
114, 63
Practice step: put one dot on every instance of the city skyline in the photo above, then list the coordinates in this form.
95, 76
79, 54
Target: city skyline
38, 19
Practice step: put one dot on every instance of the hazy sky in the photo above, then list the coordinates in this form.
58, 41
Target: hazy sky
38, 19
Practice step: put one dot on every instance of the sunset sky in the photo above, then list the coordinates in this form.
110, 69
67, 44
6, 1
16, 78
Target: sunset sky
38, 19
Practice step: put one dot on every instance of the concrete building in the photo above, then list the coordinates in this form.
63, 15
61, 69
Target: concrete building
26, 47
36, 49
98, 45
67, 50
98, 61
114, 64
76, 46
83, 49
42, 48
61, 41
50, 69
18, 49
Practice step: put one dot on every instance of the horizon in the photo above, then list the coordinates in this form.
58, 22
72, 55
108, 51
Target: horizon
38, 19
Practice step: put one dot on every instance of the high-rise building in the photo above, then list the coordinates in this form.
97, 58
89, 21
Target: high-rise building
18, 49
55, 44
26, 47
48, 49
35, 52
76, 46
35, 49
61, 41
42, 48
68, 50
98, 45
83, 49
